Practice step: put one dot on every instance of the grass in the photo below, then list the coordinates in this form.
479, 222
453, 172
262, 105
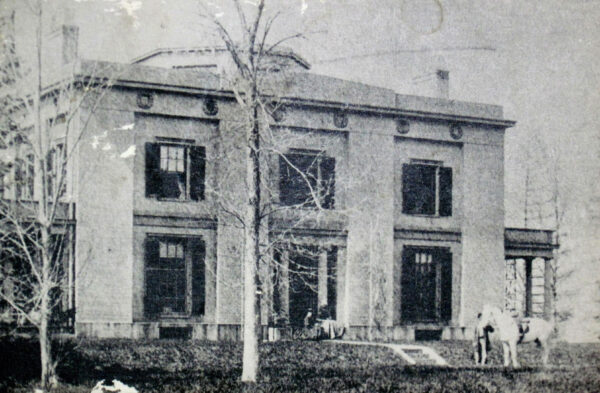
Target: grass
305, 366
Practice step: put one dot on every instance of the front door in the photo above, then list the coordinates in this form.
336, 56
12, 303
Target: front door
303, 285
426, 284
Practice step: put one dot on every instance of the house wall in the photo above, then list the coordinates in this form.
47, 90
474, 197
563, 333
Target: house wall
104, 239
449, 153
371, 214
483, 226
367, 224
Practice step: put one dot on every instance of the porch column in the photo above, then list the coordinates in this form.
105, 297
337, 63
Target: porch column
71, 268
528, 287
322, 279
548, 283
284, 285
342, 308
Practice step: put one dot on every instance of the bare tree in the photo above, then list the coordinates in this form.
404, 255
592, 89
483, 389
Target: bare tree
545, 207
41, 127
259, 83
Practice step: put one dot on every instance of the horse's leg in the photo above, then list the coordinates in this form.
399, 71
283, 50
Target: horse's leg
513, 353
546, 351
506, 353
481, 345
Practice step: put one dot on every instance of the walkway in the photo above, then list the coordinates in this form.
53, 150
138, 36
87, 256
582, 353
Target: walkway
412, 354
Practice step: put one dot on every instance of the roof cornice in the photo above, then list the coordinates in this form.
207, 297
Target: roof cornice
332, 105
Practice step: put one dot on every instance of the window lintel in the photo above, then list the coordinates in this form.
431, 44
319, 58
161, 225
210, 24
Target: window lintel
419, 161
174, 141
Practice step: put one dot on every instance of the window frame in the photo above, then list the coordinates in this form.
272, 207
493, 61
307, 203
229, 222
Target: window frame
440, 262
55, 160
190, 150
186, 167
326, 194
25, 177
190, 268
439, 171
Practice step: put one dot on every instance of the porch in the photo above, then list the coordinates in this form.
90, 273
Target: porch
530, 271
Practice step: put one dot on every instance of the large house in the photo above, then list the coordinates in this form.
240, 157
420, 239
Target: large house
388, 208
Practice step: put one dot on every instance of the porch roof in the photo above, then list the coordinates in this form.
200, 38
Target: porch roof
522, 242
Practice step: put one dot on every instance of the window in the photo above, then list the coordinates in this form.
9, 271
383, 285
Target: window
24, 177
306, 176
174, 276
175, 171
426, 284
55, 171
427, 189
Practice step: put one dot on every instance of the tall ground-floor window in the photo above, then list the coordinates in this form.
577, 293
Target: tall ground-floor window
174, 276
305, 282
426, 284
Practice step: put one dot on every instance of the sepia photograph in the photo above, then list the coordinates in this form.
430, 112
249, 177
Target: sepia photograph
299, 196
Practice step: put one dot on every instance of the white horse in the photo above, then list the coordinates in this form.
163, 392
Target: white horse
511, 333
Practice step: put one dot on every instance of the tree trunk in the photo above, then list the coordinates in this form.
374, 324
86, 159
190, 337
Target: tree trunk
251, 254
48, 377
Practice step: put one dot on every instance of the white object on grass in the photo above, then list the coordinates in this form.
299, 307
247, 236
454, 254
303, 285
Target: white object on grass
117, 387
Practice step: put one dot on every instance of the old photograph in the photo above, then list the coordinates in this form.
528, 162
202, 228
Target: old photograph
299, 196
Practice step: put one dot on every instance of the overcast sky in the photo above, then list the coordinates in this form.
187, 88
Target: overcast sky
538, 59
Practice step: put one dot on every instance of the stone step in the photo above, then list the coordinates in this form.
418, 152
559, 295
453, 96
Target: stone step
419, 356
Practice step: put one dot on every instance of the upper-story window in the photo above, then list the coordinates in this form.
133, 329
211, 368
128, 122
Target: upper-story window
24, 177
55, 162
175, 171
426, 189
305, 177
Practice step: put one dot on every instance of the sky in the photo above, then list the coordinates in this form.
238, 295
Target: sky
537, 59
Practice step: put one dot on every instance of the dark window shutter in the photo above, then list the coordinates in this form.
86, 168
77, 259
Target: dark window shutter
276, 280
152, 169
407, 305
408, 175
328, 182
445, 192
197, 250
285, 190
19, 178
197, 172
446, 282
50, 172
151, 259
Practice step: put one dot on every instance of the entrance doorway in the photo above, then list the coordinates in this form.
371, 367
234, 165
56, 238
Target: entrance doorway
426, 285
305, 281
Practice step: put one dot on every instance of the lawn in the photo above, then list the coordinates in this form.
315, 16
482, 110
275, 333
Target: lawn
304, 366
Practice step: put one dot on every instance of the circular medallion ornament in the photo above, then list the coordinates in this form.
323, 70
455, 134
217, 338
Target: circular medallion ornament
210, 107
340, 119
456, 131
145, 100
402, 126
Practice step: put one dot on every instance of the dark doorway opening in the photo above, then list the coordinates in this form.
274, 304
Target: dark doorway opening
304, 296
426, 285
